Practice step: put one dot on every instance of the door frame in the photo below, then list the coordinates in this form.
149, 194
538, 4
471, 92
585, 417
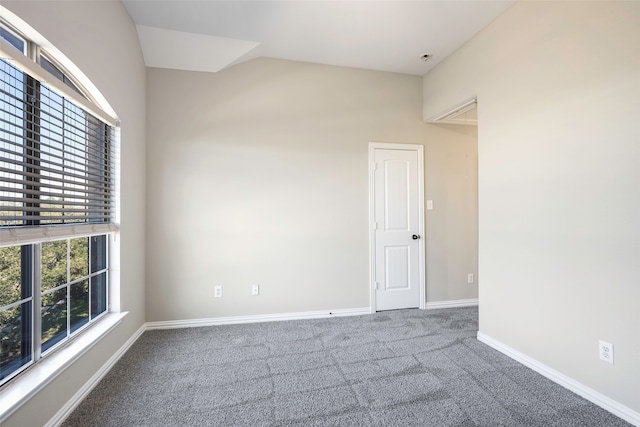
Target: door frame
372, 235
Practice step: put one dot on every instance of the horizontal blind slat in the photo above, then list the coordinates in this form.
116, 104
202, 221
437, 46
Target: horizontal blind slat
101, 191
18, 204
104, 195
64, 176
90, 160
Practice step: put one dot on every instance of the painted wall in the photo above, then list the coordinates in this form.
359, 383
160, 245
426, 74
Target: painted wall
558, 85
100, 38
258, 174
452, 226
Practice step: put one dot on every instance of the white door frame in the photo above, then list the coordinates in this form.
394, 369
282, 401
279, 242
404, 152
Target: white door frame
372, 235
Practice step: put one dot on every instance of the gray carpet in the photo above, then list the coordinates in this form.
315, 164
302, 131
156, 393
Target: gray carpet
396, 368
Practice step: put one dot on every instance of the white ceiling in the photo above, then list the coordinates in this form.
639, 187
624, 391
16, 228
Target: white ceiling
391, 35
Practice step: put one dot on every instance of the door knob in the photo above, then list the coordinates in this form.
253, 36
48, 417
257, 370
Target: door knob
415, 236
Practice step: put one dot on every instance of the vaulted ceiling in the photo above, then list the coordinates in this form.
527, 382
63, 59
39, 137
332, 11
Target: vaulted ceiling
383, 35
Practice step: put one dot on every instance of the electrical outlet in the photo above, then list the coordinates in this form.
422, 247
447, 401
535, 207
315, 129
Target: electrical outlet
606, 351
470, 278
217, 292
255, 290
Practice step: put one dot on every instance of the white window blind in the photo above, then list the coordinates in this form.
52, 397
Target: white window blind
55, 158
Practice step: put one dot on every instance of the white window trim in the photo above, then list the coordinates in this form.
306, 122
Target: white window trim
18, 390
29, 33
22, 388
36, 71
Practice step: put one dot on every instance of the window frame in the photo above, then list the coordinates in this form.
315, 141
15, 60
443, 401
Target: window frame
36, 374
26, 49
29, 63
31, 276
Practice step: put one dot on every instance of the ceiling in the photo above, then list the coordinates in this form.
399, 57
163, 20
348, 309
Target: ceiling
392, 35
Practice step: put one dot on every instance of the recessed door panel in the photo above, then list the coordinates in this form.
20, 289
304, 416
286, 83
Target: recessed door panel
397, 267
396, 194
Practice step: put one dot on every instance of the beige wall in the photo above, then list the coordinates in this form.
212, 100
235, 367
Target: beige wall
101, 40
559, 183
258, 175
451, 166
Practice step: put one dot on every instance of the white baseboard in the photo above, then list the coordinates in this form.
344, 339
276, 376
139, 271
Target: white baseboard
213, 321
591, 395
452, 303
84, 391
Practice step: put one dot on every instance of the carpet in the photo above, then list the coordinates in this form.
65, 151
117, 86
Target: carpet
394, 368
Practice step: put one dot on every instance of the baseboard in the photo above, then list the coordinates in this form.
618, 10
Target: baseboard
213, 321
591, 395
84, 391
452, 303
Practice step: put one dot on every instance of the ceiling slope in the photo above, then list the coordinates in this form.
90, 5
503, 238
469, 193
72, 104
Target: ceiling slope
377, 35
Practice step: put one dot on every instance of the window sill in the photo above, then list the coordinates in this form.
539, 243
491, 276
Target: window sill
35, 378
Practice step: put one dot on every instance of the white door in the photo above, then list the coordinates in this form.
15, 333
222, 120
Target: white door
397, 226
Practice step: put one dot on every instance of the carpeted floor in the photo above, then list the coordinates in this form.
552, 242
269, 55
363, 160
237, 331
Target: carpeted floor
396, 368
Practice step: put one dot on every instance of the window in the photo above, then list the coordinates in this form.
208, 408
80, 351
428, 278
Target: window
50, 67
57, 206
13, 39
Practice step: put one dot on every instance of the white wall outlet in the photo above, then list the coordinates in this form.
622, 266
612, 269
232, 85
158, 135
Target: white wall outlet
605, 350
429, 205
217, 292
255, 290
470, 278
